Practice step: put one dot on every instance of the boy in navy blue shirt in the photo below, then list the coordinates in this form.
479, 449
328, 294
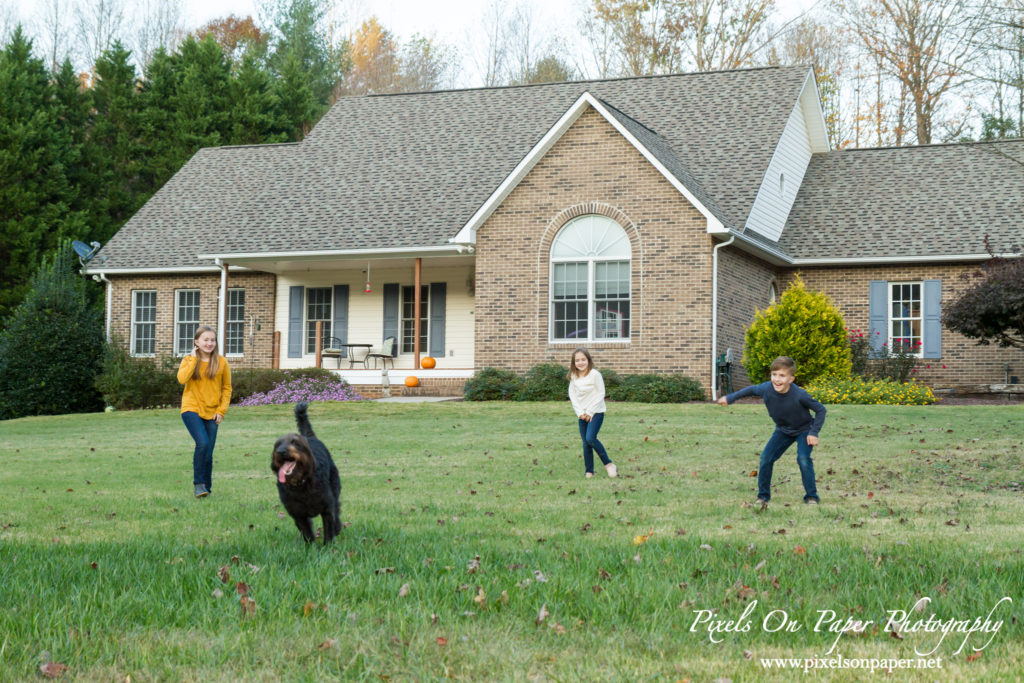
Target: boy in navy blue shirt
789, 406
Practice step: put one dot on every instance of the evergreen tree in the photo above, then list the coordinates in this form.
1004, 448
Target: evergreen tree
35, 154
51, 348
256, 115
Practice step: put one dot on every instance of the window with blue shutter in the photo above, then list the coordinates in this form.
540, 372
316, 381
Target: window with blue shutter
907, 314
295, 295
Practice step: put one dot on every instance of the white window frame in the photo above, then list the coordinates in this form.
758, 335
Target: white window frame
309, 324
179, 341
890, 319
424, 318
592, 318
229, 321
134, 338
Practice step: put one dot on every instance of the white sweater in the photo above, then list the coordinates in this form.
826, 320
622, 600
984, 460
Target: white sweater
587, 394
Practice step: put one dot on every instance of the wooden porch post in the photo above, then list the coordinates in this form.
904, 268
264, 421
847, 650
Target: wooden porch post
275, 358
319, 342
416, 314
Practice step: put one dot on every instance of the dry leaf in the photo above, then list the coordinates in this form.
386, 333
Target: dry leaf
602, 574
760, 565
557, 628
753, 473
217, 593
384, 570
503, 598
705, 546
442, 641
224, 574
973, 656
745, 592
480, 598
642, 538
327, 644
539, 576
242, 588
433, 618
799, 550
53, 669
473, 566
542, 615
870, 495
895, 634
248, 605
404, 590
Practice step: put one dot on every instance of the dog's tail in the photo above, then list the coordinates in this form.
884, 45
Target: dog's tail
302, 420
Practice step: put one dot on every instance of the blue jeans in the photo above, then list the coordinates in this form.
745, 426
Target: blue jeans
204, 433
588, 432
773, 450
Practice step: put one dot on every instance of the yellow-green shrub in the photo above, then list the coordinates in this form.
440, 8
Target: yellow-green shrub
803, 325
863, 391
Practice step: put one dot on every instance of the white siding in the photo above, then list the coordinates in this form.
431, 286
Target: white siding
775, 198
366, 311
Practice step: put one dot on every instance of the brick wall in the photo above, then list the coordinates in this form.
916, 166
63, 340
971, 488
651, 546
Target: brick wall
259, 301
743, 288
966, 363
593, 169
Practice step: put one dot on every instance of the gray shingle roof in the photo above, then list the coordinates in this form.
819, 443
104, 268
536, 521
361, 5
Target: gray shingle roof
937, 200
410, 170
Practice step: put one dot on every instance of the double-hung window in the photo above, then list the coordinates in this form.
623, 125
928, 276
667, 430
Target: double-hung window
590, 281
318, 309
234, 328
186, 320
905, 316
143, 341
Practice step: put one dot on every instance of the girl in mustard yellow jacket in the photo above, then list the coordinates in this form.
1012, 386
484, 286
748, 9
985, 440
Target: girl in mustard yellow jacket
204, 402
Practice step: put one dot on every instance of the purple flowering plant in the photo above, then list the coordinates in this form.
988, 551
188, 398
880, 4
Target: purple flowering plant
304, 389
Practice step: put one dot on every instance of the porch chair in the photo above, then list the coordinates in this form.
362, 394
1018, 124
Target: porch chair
332, 349
386, 353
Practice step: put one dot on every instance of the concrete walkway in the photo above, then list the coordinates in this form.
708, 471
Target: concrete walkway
418, 399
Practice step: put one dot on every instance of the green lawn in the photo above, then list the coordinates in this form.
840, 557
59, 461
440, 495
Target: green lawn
464, 522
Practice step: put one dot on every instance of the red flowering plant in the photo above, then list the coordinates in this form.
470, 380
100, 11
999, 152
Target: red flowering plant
860, 351
899, 361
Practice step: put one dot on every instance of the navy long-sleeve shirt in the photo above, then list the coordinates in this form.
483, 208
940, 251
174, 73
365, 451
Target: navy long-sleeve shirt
790, 411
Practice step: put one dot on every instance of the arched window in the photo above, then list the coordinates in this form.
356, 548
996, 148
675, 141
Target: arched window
773, 293
590, 283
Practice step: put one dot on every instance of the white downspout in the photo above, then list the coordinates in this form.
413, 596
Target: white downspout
222, 304
110, 297
714, 316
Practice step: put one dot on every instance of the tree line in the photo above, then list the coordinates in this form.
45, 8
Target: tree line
101, 105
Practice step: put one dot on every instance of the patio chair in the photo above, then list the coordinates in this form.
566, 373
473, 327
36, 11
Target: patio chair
332, 349
387, 353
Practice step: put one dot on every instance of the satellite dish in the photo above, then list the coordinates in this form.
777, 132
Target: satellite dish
85, 251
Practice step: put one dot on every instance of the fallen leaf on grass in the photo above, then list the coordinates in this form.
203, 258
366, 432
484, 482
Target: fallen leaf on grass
327, 644
473, 566
442, 641
224, 574
895, 634
602, 574
539, 576
745, 592
384, 570
480, 598
503, 598
705, 546
53, 669
248, 606
557, 628
973, 656
404, 590
760, 565
799, 550
217, 593
642, 538
242, 588
542, 615
753, 473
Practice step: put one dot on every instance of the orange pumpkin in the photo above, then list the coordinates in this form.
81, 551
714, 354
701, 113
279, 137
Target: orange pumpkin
428, 362
412, 381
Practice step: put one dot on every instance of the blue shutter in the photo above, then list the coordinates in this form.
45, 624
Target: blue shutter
295, 321
339, 325
878, 318
437, 294
931, 303
391, 293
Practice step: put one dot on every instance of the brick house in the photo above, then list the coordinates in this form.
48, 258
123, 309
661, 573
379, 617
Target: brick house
645, 218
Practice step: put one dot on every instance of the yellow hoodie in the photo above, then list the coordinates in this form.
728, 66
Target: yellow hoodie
205, 396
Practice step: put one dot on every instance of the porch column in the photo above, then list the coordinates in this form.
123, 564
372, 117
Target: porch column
222, 305
416, 314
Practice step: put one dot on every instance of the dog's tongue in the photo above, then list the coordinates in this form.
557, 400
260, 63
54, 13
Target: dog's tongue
285, 470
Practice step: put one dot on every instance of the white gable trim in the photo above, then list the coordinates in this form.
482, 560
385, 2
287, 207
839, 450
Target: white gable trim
467, 234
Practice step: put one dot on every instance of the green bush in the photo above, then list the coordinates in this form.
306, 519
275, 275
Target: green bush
866, 391
129, 383
546, 382
51, 346
492, 384
655, 389
248, 381
803, 325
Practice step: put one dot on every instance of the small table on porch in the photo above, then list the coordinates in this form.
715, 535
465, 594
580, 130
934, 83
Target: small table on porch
351, 348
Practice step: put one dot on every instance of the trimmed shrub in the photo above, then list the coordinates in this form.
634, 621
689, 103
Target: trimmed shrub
656, 389
546, 382
803, 325
51, 346
492, 384
246, 382
128, 383
864, 391
305, 387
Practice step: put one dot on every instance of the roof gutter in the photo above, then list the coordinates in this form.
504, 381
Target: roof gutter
260, 256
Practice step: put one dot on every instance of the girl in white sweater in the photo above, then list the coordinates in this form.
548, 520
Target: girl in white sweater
586, 391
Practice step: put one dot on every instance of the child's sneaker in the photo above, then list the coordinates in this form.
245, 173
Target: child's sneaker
810, 501
612, 470
761, 501
589, 475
